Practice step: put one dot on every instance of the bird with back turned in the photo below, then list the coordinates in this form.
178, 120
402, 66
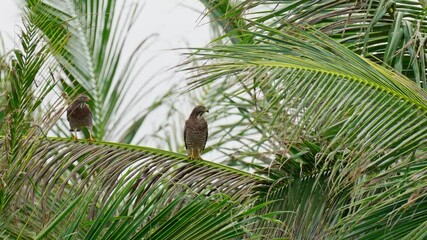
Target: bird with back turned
79, 116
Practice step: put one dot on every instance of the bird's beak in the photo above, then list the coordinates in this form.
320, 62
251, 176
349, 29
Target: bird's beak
206, 110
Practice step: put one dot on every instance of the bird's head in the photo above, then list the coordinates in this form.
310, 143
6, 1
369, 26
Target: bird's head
199, 110
83, 98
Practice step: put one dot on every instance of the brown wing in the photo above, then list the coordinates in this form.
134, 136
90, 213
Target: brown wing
69, 111
185, 134
206, 135
89, 117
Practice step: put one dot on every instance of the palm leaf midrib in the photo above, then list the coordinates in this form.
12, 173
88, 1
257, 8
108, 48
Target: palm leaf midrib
156, 151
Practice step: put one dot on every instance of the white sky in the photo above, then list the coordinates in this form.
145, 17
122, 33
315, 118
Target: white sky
8, 18
176, 22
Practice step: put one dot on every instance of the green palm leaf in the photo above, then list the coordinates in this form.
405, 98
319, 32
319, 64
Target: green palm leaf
387, 32
367, 122
128, 191
88, 40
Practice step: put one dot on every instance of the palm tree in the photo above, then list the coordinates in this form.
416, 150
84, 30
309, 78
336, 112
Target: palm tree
52, 188
330, 143
329, 127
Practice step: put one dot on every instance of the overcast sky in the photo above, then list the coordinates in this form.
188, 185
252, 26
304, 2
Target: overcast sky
177, 23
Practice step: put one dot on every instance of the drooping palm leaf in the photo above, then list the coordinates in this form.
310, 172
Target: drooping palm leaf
368, 124
389, 31
66, 184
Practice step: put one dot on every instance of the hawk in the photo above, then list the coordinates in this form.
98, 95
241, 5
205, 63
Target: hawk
196, 132
79, 116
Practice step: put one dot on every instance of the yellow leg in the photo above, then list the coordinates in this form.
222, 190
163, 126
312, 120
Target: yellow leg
194, 154
191, 154
75, 136
91, 139
199, 154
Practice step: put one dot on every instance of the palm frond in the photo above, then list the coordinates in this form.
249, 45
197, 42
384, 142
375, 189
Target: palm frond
230, 19
367, 122
118, 190
88, 41
26, 81
387, 32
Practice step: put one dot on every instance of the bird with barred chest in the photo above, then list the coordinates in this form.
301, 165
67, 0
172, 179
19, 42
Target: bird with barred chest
79, 116
196, 132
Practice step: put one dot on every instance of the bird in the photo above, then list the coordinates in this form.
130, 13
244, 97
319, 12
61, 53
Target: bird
196, 132
79, 116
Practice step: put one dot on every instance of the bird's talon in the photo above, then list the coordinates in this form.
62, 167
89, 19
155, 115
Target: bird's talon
91, 140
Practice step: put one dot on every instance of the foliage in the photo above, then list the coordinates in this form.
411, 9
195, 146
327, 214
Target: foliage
330, 138
87, 39
354, 133
387, 32
108, 190
54, 188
